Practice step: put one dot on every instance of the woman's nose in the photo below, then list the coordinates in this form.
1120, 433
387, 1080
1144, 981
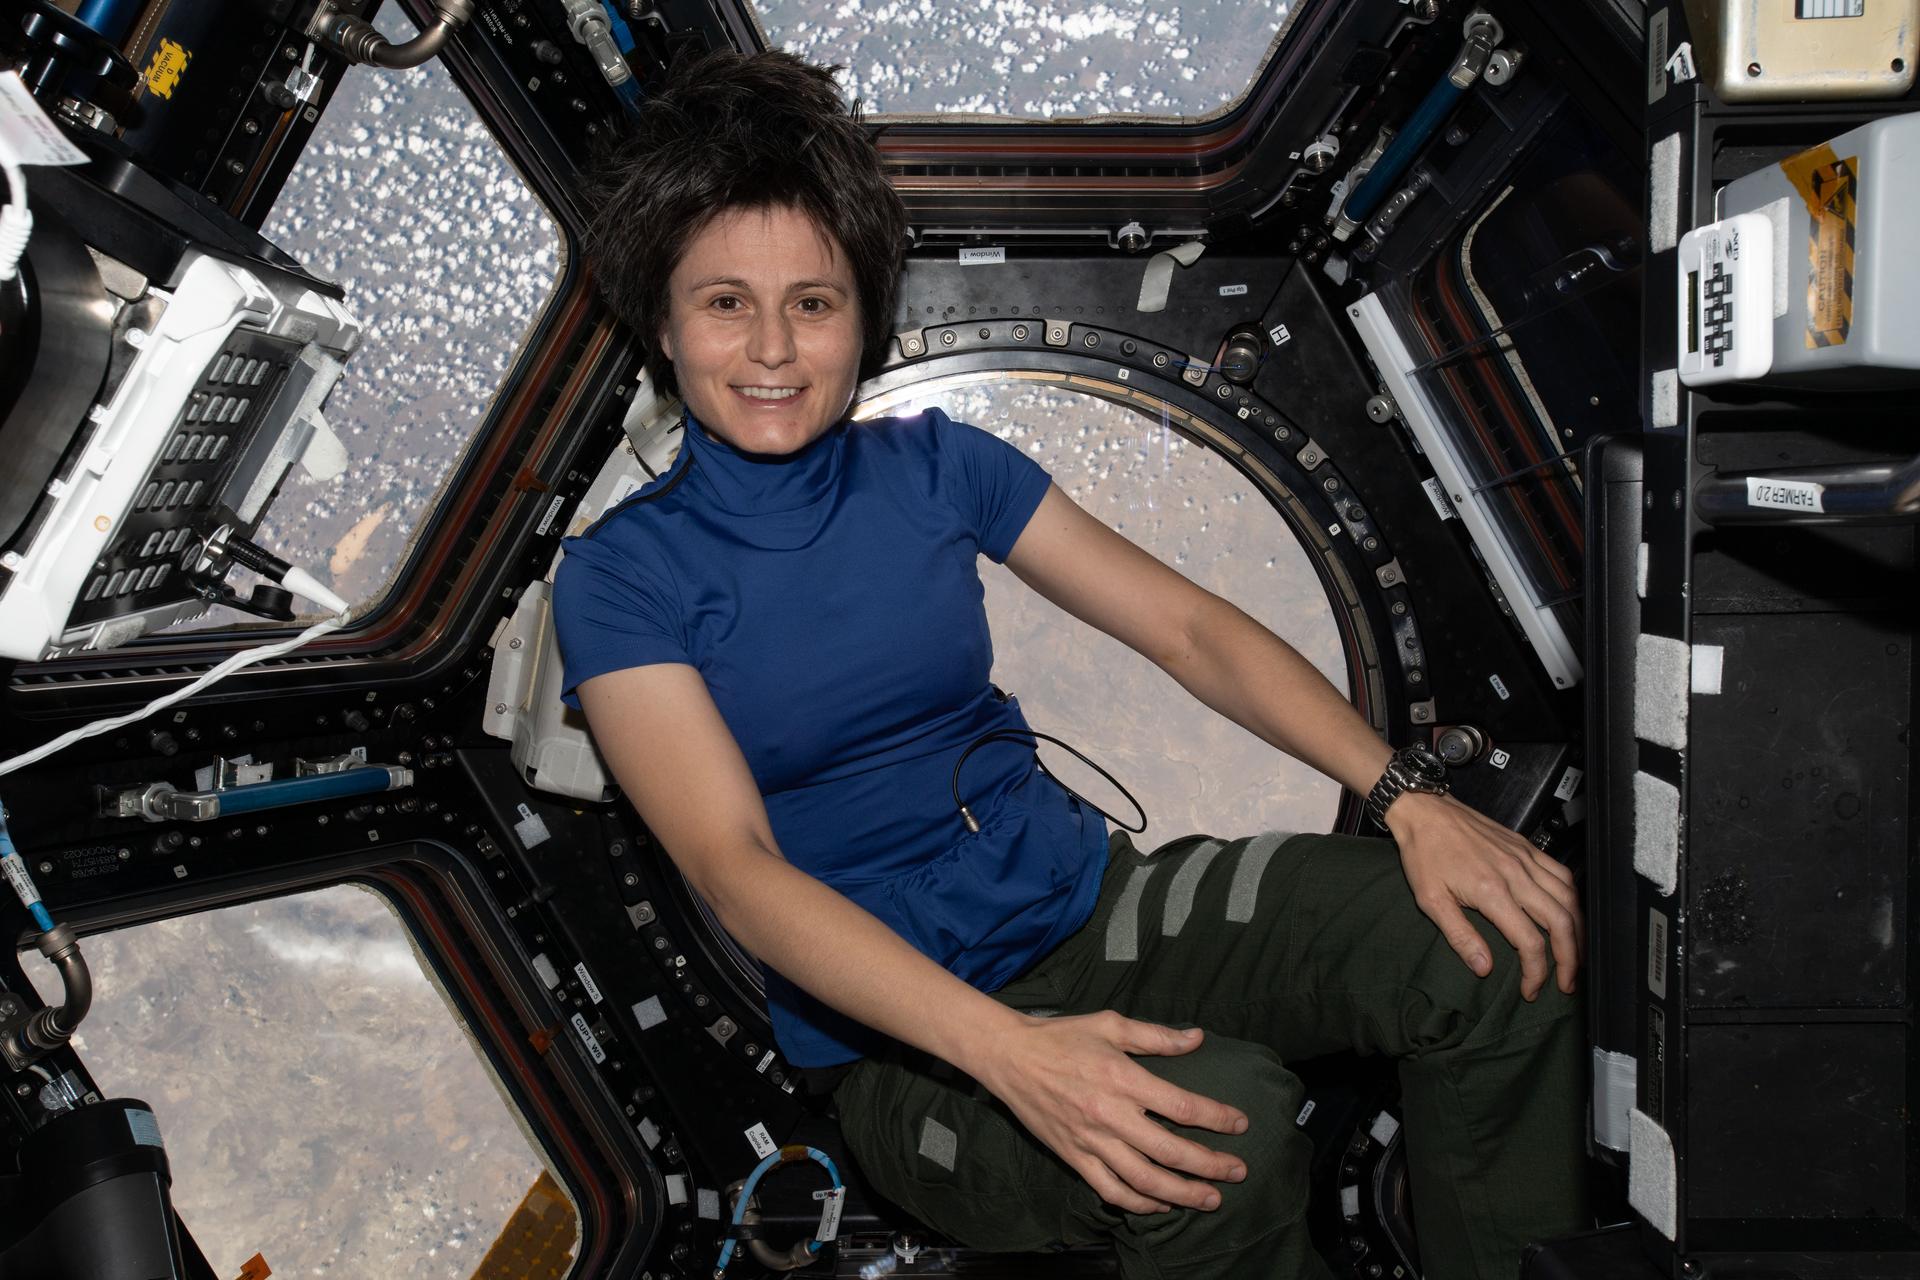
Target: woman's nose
771, 341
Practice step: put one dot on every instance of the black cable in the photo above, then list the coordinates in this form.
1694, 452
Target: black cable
1009, 735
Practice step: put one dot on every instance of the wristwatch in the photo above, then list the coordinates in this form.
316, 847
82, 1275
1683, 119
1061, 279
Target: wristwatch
1413, 768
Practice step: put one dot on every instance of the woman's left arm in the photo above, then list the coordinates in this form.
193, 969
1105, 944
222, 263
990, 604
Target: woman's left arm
1454, 856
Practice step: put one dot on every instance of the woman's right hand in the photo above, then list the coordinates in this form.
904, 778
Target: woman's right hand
1070, 1082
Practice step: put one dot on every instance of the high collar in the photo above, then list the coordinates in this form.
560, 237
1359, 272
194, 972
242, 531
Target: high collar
750, 484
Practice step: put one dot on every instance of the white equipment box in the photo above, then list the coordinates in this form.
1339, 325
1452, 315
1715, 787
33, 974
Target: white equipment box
1846, 277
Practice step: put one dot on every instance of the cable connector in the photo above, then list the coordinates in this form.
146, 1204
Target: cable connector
15, 869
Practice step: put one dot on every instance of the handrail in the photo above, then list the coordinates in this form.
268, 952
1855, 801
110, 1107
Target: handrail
1852, 493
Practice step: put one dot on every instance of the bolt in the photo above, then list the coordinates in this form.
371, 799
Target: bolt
1399, 608
1370, 544
46, 868
514, 643
1753, 68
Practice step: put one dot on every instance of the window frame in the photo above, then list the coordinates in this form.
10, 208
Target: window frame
469, 953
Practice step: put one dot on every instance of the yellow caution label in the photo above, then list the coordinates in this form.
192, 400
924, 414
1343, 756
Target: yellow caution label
1829, 186
163, 73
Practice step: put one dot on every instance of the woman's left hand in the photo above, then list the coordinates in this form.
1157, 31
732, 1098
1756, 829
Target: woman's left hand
1456, 857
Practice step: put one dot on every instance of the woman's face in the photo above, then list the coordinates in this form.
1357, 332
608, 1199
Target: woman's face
763, 329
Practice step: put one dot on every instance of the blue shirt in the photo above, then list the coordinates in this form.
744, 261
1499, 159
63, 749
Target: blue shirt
831, 599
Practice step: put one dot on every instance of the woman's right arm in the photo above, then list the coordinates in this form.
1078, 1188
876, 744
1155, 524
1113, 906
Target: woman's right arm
1068, 1079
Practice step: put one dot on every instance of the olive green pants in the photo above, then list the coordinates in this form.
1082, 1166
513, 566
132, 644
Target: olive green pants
1282, 948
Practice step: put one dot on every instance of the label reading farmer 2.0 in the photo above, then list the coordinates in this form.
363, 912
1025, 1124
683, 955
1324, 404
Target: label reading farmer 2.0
1785, 495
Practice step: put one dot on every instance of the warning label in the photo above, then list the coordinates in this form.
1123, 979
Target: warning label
1829, 186
169, 63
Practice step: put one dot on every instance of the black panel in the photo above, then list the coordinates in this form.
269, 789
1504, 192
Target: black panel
1797, 1121
1796, 884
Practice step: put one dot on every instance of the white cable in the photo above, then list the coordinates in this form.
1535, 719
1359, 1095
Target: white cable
244, 658
16, 222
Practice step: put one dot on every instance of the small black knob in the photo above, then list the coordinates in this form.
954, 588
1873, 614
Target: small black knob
356, 721
270, 601
163, 743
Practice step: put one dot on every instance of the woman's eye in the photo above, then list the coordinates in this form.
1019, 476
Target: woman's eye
726, 302
813, 306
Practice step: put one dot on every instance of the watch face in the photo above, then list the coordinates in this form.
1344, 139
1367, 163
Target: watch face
1425, 765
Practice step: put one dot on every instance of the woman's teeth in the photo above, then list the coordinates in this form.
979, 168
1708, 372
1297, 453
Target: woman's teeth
768, 393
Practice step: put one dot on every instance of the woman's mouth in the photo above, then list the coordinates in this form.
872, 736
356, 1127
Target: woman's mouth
770, 395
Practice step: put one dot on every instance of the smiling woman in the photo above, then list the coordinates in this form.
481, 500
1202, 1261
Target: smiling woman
763, 329
795, 613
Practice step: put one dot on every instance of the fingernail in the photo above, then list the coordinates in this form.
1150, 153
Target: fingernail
1240, 1125
1211, 1202
1237, 1173
1165, 1208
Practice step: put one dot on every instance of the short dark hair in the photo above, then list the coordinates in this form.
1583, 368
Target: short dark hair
740, 131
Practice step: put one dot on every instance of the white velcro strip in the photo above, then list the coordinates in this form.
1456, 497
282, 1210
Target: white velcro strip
1666, 397
1656, 831
1660, 691
1652, 1187
1663, 220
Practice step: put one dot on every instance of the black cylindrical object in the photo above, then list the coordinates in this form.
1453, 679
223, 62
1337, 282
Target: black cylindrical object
92, 1197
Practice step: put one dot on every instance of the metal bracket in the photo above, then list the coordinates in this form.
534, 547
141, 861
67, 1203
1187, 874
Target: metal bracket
13, 1017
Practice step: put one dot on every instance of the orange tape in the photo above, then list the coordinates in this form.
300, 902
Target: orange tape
1829, 187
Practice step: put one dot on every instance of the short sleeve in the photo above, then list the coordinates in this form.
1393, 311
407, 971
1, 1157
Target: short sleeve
610, 614
996, 486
